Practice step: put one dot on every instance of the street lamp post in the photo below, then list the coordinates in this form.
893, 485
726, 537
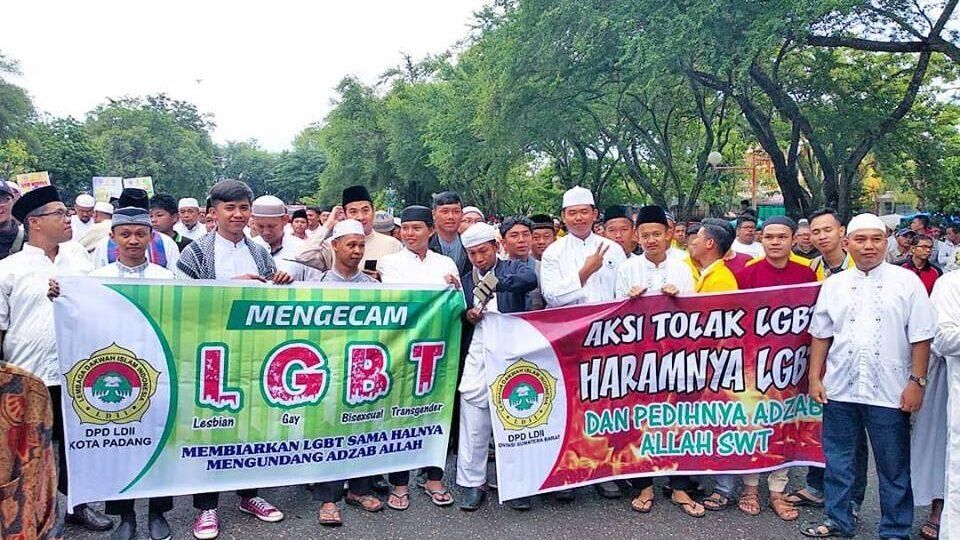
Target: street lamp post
714, 159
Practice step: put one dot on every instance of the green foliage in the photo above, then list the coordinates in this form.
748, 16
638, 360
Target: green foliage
69, 154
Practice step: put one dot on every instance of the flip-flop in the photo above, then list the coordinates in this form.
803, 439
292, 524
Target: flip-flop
687, 508
359, 502
402, 496
931, 525
330, 519
717, 502
644, 506
434, 493
801, 498
813, 530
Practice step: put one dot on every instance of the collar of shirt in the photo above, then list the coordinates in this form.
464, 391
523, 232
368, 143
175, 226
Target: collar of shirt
650, 264
133, 269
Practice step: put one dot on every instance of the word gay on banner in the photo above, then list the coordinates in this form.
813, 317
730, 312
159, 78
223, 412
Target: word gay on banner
652, 386
173, 388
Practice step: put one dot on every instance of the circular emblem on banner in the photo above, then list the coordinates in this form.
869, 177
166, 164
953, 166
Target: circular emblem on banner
112, 386
523, 395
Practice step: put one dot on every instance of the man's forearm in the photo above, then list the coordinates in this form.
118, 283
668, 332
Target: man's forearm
920, 358
818, 357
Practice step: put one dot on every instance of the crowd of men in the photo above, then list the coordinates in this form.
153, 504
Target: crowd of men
878, 354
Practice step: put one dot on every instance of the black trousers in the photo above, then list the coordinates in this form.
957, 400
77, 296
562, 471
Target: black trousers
55, 400
402, 478
210, 501
158, 505
332, 491
682, 483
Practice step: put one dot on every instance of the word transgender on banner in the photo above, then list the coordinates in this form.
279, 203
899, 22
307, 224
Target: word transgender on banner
216, 386
652, 386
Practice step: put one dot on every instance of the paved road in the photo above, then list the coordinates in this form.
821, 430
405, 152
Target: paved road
588, 518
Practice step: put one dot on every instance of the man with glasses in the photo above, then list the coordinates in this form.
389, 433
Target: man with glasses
26, 316
919, 263
11, 234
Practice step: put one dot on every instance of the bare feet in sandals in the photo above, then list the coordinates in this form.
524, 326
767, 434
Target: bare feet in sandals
644, 501
716, 502
689, 506
749, 502
782, 507
438, 493
399, 498
329, 515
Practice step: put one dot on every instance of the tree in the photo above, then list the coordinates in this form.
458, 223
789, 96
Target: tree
248, 162
69, 154
17, 143
155, 136
297, 172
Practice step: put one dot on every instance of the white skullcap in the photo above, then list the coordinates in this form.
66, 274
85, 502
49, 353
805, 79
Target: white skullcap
188, 202
85, 201
477, 234
103, 208
865, 221
345, 227
577, 196
474, 210
14, 186
268, 206
890, 221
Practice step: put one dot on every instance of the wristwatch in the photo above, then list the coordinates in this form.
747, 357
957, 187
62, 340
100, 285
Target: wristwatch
921, 381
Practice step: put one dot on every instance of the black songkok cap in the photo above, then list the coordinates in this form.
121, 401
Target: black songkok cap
616, 211
652, 214
417, 213
542, 221
32, 200
780, 220
301, 213
356, 193
134, 198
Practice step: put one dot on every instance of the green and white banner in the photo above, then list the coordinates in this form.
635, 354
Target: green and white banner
174, 388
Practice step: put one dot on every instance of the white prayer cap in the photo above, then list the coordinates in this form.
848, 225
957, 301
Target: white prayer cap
477, 234
268, 206
891, 221
474, 210
865, 221
103, 208
345, 227
188, 202
577, 196
85, 201
14, 186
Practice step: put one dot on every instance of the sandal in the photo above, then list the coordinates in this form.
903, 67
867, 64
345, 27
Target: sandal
800, 497
782, 507
749, 504
822, 529
717, 502
689, 507
643, 504
330, 518
927, 527
403, 497
437, 496
368, 503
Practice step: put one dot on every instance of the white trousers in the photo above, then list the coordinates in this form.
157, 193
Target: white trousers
474, 445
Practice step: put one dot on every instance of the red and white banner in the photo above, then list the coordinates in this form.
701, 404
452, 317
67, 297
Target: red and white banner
652, 386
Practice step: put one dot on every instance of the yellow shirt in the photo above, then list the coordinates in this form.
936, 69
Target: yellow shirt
716, 278
820, 268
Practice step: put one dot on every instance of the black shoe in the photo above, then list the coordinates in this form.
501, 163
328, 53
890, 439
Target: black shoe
608, 490
158, 526
472, 498
89, 519
565, 495
522, 504
380, 485
126, 530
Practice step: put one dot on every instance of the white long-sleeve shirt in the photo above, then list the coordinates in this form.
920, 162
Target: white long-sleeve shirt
560, 271
284, 258
406, 266
641, 271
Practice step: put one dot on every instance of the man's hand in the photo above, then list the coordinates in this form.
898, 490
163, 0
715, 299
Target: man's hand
817, 391
636, 291
54, 290
474, 315
452, 280
912, 398
336, 216
251, 277
282, 278
595, 261
670, 290
373, 273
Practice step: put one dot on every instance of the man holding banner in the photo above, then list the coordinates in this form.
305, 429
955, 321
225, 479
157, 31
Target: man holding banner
871, 329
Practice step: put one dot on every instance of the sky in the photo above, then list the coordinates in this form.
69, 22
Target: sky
265, 70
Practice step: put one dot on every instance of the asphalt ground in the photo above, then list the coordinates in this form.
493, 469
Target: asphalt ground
589, 517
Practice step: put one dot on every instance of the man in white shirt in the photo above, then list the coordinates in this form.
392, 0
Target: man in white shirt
654, 271
26, 316
417, 264
746, 237
581, 267
949, 257
871, 327
618, 226
190, 225
83, 219
269, 221
946, 301
229, 254
162, 250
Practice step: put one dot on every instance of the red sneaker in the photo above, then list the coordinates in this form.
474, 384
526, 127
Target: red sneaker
207, 525
259, 508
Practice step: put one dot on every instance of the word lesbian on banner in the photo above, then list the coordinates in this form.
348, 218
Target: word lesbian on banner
652, 386
174, 388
